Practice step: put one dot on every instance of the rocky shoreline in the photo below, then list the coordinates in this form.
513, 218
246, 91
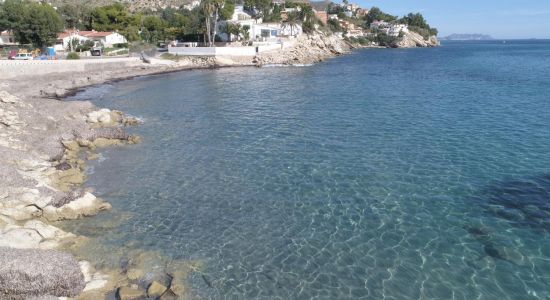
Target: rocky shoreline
44, 146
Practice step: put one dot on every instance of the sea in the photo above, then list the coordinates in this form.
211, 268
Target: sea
383, 174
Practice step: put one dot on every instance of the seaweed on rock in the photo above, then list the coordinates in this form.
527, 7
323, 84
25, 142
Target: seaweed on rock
522, 203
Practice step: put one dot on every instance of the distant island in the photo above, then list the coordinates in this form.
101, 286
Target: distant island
467, 37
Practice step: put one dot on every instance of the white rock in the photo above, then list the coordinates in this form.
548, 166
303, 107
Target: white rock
84, 202
6, 220
99, 116
49, 244
21, 213
33, 197
20, 238
7, 97
106, 118
30, 196
45, 230
86, 269
87, 205
10, 227
98, 281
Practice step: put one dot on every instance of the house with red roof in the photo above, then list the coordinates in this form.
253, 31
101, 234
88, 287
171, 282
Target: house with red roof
105, 38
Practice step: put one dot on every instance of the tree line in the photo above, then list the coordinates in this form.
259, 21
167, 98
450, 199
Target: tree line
415, 21
38, 23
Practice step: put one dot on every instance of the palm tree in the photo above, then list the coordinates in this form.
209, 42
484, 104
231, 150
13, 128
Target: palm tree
211, 9
236, 30
308, 19
207, 8
292, 21
245, 31
226, 28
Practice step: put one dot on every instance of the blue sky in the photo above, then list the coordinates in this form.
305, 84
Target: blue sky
505, 19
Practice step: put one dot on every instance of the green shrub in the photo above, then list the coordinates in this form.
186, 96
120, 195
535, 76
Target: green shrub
86, 46
121, 45
170, 56
73, 55
386, 40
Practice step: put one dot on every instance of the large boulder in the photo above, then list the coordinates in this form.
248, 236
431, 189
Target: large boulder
28, 273
87, 205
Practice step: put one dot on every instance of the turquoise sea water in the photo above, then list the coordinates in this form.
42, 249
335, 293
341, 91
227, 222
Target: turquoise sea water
385, 174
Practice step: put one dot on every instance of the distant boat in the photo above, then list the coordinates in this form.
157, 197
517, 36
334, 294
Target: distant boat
504, 42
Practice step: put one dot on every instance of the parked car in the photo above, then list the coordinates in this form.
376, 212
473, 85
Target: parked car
96, 51
12, 54
23, 56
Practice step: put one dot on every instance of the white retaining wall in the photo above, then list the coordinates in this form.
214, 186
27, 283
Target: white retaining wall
222, 51
15, 68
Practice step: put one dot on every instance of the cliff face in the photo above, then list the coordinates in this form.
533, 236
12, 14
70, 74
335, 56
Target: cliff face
413, 40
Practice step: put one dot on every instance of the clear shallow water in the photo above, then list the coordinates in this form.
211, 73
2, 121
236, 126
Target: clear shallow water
397, 174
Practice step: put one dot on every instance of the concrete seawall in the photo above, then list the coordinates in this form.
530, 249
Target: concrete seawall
229, 51
11, 68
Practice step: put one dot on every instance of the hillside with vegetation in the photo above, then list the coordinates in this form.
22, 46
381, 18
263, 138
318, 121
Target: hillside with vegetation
160, 21
133, 5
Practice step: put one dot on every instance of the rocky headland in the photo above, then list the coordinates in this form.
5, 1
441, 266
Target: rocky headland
412, 39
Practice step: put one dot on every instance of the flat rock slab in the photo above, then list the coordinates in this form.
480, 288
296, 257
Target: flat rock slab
27, 273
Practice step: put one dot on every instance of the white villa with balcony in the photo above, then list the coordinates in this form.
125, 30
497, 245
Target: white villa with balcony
258, 30
390, 29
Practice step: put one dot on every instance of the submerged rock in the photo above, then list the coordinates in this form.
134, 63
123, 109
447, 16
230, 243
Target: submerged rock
128, 293
135, 274
156, 289
27, 273
521, 203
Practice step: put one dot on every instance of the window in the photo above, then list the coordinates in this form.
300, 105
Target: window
266, 33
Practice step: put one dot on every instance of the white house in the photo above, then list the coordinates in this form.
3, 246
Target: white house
7, 38
333, 17
389, 28
257, 29
396, 29
379, 24
240, 16
350, 7
65, 37
105, 38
